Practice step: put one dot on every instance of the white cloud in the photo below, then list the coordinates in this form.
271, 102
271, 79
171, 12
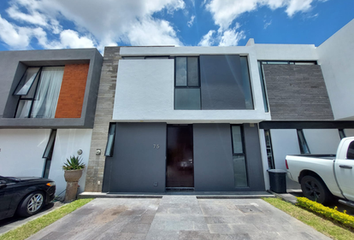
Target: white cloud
152, 32
100, 23
298, 6
190, 22
71, 39
231, 37
207, 39
15, 37
33, 17
224, 12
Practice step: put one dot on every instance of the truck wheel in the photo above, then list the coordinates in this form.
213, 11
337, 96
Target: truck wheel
315, 190
31, 204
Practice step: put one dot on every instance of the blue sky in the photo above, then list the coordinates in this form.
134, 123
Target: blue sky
48, 24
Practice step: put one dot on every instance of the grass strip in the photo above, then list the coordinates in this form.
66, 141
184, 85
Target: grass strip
38, 224
322, 225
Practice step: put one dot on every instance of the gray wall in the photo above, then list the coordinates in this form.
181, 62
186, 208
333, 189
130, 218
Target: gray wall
253, 158
213, 165
136, 165
297, 92
221, 82
14, 63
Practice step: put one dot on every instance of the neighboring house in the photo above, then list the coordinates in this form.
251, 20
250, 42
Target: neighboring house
47, 106
216, 118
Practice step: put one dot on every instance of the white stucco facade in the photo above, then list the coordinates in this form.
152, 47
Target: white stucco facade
337, 61
67, 143
22, 151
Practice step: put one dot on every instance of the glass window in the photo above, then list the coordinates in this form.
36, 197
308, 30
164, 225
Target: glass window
48, 152
304, 148
187, 88
193, 72
187, 98
110, 140
270, 157
239, 158
26, 81
181, 71
246, 83
41, 98
237, 140
264, 91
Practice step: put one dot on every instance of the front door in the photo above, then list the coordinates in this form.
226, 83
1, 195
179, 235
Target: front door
179, 162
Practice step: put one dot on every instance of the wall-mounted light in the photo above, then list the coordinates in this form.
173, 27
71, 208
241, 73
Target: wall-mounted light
98, 151
79, 152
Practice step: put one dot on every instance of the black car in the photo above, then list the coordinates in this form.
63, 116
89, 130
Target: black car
24, 196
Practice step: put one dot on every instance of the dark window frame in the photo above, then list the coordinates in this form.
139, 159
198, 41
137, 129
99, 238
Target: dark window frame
304, 147
110, 140
22, 97
187, 85
341, 133
269, 149
240, 154
48, 153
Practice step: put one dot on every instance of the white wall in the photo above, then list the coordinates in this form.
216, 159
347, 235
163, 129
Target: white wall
284, 142
349, 132
286, 52
337, 63
322, 141
21, 151
67, 143
145, 92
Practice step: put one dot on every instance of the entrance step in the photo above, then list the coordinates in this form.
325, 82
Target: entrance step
200, 195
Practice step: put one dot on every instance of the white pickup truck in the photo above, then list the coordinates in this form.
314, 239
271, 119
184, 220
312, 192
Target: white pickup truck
324, 176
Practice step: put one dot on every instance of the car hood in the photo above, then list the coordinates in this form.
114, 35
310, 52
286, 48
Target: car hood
29, 179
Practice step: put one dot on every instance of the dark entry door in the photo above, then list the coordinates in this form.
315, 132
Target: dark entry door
179, 163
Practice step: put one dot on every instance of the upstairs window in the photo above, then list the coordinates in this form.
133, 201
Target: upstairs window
39, 90
187, 84
212, 82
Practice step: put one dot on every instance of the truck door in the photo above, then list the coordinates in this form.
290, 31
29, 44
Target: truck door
344, 170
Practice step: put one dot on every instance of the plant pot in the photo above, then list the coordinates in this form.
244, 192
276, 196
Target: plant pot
72, 175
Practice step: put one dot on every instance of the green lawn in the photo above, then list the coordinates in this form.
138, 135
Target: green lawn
322, 225
37, 224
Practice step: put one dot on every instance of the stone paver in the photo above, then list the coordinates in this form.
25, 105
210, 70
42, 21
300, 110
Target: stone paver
177, 217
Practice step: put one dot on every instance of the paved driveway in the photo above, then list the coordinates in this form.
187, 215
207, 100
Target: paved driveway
177, 217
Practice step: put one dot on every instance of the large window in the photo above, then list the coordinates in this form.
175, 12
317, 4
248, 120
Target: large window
239, 158
212, 82
39, 90
187, 84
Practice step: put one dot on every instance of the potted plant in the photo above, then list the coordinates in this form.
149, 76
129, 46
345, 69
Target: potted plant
73, 171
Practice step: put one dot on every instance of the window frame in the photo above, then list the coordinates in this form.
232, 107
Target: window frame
187, 85
23, 97
239, 154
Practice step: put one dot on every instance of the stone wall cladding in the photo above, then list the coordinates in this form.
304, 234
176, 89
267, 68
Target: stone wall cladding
297, 92
103, 117
72, 91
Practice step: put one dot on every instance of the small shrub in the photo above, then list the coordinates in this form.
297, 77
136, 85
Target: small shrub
73, 163
327, 212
